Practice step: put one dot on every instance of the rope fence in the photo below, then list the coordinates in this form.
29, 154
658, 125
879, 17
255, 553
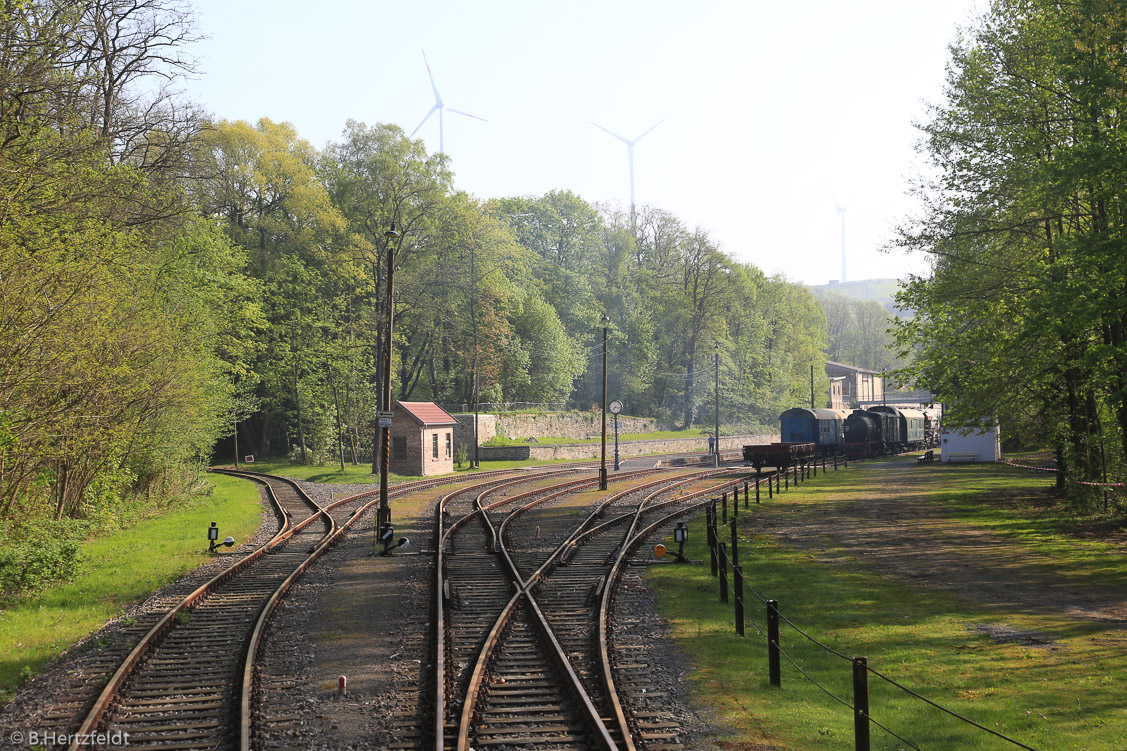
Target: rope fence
724, 557
1086, 483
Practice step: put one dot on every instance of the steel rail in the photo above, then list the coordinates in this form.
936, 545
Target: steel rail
493, 636
102, 703
441, 538
611, 694
478, 674
397, 490
631, 540
574, 683
268, 609
574, 539
579, 536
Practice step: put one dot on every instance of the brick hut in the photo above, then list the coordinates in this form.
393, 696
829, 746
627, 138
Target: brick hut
422, 439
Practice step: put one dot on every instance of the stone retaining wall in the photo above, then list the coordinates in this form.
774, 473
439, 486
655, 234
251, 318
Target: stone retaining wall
625, 448
577, 425
523, 425
463, 431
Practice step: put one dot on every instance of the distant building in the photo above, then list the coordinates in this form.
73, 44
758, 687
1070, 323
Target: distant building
422, 440
837, 396
859, 386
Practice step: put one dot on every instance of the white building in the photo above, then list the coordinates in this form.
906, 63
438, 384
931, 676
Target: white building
971, 445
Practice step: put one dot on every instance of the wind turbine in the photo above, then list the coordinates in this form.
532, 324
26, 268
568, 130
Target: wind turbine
841, 215
440, 107
630, 154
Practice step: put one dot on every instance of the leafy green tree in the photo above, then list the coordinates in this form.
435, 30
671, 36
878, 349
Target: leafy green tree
860, 332
1020, 315
118, 312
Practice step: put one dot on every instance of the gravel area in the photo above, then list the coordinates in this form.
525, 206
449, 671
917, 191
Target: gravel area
367, 617
359, 615
667, 667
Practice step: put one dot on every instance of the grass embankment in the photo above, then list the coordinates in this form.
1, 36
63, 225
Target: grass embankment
120, 569
1066, 688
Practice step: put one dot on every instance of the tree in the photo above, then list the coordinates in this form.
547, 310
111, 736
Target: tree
1022, 313
113, 304
262, 181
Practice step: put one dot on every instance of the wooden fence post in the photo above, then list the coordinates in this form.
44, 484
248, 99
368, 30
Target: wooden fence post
722, 555
861, 703
773, 666
738, 585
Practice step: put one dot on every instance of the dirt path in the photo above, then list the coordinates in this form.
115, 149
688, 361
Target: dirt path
897, 529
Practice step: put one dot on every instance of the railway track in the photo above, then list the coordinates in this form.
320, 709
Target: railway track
182, 677
187, 682
522, 626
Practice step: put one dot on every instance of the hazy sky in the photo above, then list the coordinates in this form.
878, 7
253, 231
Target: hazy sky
765, 104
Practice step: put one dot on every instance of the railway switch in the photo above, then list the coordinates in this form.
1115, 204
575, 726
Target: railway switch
213, 539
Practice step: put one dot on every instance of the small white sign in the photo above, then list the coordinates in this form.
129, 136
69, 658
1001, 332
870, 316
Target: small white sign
384, 422
249, 458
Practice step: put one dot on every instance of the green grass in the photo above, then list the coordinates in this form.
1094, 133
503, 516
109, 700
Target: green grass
120, 570
331, 473
1068, 696
363, 472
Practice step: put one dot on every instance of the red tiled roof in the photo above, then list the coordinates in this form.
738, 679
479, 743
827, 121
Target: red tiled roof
428, 413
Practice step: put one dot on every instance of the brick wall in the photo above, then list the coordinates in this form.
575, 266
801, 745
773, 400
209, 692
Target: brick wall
420, 460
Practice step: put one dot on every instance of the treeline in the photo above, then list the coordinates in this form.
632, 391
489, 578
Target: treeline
1024, 317
164, 278
495, 301
860, 332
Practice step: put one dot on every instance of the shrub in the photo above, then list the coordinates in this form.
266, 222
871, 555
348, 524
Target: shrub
39, 553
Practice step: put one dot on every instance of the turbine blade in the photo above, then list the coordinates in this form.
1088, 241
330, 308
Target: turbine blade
659, 122
620, 138
838, 206
437, 98
430, 112
459, 112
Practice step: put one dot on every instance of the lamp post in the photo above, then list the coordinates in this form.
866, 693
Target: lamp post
384, 531
811, 383
716, 392
603, 462
475, 462
616, 407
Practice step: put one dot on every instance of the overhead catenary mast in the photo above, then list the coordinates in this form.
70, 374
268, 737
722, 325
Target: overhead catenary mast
439, 107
